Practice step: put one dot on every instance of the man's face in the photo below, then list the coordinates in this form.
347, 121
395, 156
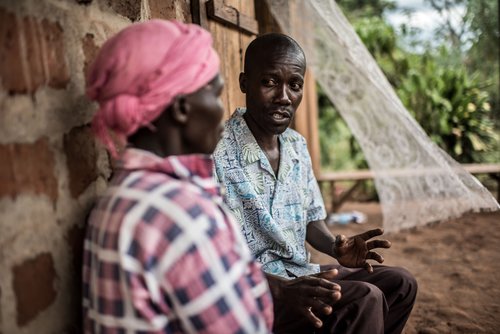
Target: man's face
274, 88
204, 128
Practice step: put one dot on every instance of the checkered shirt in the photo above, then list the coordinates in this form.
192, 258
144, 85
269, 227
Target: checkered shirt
163, 255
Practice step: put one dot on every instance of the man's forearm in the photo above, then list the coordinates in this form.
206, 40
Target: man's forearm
319, 237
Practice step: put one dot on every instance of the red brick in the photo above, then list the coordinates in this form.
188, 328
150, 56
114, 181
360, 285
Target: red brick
90, 50
81, 155
42, 61
10, 65
127, 8
27, 168
34, 286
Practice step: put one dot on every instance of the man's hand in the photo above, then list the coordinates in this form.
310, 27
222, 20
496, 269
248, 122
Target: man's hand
353, 252
307, 296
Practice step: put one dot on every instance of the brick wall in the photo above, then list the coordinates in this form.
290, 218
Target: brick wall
51, 169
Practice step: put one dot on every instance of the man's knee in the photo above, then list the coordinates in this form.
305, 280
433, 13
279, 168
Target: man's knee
370, 294
365, 313
405, 282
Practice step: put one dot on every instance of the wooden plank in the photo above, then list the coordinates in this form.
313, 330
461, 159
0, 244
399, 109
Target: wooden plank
306, 120
362, 174
230, 44
267, 23
230, 15
482, 168
359, 175
310, 105
365, 174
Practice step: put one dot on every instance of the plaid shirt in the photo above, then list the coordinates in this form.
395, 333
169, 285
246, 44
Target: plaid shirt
163, 255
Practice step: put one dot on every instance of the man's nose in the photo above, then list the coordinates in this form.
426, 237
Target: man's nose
282, 96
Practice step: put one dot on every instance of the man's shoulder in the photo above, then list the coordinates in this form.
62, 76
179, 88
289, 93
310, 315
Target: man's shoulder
295, 140
235, 120
292, 136
232, 129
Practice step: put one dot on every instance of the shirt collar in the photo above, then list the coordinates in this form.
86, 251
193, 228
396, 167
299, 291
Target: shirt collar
251, 151
195, 168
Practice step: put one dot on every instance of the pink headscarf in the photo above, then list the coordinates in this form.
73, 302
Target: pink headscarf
139, 71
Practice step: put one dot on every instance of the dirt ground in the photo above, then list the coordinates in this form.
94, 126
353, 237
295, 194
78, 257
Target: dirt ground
457, 266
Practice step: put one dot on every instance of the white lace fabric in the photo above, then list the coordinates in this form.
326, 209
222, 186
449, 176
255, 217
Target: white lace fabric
416, 181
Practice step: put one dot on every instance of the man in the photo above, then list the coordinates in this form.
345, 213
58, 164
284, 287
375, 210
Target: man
162, 254
271, 189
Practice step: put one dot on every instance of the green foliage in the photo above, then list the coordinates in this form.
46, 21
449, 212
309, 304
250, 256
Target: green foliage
339, 149
452, 107
452, 96
483, 57
381, 40
365, 8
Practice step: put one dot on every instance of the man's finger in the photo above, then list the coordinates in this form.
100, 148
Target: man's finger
371, 233
329, 285
328, 294
322, 292
313, 281
378, 244
318, 306
340, 240
313, 318
328, 274
374, 256
368, 267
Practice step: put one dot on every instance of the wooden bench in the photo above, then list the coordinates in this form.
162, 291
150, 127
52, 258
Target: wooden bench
358, 176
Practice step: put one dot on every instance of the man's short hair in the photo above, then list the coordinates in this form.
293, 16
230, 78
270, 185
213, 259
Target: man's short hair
268, 43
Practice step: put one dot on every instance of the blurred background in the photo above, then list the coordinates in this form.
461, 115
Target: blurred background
442, 57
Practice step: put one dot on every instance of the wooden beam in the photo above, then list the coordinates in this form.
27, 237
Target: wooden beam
219, 11
493, 170
366, 174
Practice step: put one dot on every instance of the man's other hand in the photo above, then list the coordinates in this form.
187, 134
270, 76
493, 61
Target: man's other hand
353, 252
308, 296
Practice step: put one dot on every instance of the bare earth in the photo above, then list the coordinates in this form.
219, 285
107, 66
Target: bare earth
457, 266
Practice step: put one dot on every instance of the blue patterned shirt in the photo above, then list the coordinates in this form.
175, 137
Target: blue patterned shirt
273, 211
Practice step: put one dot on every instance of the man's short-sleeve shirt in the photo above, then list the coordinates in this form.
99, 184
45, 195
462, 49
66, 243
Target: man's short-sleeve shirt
273, 211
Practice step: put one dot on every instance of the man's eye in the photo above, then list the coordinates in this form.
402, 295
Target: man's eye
296, 86
268, 82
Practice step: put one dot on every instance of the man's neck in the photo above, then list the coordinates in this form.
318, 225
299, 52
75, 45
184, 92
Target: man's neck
267, 142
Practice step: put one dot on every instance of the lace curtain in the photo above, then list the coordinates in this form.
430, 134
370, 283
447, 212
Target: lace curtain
416, 181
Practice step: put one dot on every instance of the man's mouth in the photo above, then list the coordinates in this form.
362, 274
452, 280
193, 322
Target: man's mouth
280, 115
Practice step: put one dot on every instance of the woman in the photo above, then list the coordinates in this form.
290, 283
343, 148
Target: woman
162, 254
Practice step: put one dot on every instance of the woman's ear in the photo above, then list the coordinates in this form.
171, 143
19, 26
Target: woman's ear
180, 110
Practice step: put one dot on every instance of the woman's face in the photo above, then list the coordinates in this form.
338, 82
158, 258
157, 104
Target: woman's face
204, 126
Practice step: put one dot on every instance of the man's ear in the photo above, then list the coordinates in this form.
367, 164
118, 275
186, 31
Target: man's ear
179, 110
243, 82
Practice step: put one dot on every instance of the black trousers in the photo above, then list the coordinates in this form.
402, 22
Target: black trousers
380, 302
